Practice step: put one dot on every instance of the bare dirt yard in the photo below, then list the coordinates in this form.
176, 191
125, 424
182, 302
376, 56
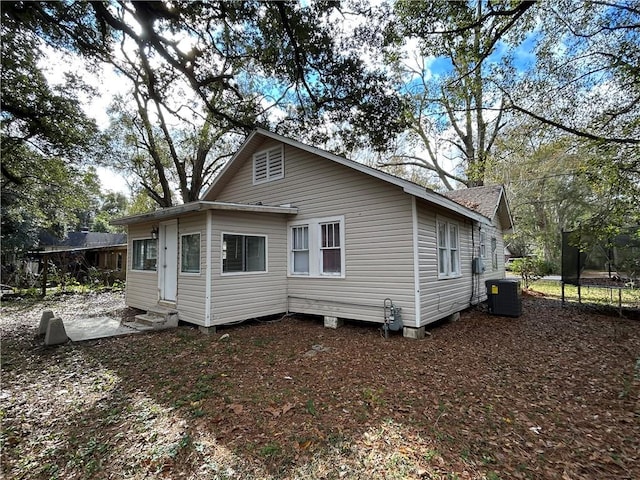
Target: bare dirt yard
553, 394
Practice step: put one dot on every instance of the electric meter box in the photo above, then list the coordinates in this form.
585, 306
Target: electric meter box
504, 297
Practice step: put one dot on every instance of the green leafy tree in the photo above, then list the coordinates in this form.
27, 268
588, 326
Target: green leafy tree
112, 205
543, 173
454, 115
46, 142
585, 79
560, 182
171, 163
246, 63
140, 202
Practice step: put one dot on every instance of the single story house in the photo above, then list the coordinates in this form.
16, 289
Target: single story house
81, 251
287, 227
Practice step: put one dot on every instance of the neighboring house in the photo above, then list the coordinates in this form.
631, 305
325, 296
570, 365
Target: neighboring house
287, 227
81, 251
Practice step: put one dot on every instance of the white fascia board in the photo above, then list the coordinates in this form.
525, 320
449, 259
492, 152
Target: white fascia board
432, 197
503, 198
244, 207
200, 206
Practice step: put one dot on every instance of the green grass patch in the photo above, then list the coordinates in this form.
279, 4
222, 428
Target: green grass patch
589, 294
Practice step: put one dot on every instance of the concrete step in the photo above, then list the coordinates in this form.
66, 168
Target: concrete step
156, 319
138, 326
151, 319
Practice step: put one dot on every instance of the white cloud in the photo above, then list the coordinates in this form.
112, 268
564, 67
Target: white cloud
112, 181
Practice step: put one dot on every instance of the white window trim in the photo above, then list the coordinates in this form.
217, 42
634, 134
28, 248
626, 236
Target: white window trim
449, 223
483, 246
268, 152
495, 265
315, 242
292, 251
199, 272
137, 270
245, 234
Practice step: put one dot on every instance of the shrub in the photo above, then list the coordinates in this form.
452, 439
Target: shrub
531, 269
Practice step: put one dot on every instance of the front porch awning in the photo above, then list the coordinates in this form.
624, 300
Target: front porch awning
201, 206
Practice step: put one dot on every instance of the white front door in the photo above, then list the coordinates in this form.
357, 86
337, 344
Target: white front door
168, 257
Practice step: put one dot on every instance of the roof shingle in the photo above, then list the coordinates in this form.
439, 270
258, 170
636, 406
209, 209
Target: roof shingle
483, 200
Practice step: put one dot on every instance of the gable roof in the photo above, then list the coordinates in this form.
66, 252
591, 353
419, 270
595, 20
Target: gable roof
258, 135
488, 201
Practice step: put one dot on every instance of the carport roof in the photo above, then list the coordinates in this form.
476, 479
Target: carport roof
201, 206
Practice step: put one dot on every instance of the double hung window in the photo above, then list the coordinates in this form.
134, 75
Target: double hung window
316, 247
330, 248
448, 249
494, 253
483, 248
300, 249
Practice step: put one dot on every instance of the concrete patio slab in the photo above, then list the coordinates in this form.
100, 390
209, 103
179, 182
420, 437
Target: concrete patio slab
80, 329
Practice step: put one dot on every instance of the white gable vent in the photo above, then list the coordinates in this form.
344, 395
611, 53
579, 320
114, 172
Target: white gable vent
268, 165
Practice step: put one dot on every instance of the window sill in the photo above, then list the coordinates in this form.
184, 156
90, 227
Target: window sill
449, 277
306, 275
233, 274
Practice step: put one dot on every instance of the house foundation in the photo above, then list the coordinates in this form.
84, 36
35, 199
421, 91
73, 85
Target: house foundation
454, 317
207, 330
333, 322
414, 333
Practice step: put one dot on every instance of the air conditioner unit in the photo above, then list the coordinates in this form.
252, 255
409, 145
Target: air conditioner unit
504, 297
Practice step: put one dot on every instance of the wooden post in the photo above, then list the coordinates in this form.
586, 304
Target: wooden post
579, 293
45, 270
620, 300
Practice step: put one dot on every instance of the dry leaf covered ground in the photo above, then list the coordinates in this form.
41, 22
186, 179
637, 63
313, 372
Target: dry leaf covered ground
552, 394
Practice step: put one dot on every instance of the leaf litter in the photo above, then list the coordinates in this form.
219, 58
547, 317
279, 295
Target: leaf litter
554, 393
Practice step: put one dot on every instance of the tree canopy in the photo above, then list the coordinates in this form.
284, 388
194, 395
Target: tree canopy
451, 88
46, 141
454, 110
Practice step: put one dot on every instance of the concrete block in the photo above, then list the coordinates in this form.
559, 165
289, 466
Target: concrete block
414, 333
47, 315
207, 330
56, 334
333, 322
172, 320
454, 317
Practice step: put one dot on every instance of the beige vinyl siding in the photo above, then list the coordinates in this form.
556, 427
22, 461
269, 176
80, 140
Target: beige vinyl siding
190, 301
442, 297
378, 233
142, 286
490, 273
240, 296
